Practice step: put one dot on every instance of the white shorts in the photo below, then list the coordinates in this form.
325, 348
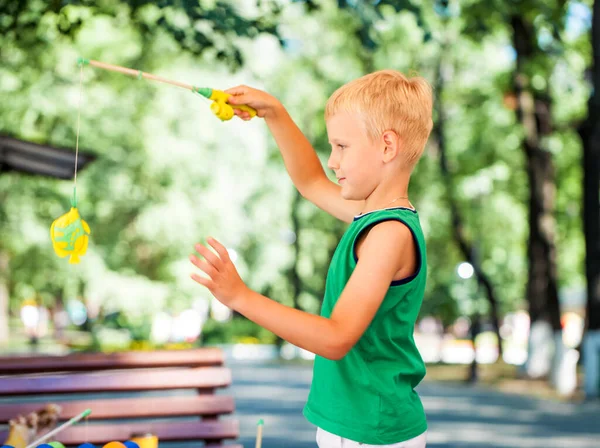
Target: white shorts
327, 440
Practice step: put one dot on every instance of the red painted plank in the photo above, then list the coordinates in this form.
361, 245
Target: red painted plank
178, 431
103, 361
115, 381
171, 406
166, 431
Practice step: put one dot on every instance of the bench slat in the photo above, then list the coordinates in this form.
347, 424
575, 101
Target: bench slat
130, 407
116, 381
103, 361
166, 431
222, 446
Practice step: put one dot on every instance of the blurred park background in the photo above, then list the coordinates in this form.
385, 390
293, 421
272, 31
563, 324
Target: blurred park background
507, 190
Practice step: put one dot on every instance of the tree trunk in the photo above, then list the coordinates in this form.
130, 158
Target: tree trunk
590, 137
4, 300
591, 223
458, 226
533, 112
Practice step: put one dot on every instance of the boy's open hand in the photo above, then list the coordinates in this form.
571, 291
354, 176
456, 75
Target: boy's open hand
224, 283
264, 104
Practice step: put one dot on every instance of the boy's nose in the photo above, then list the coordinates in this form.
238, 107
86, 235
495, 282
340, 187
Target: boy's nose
332, 162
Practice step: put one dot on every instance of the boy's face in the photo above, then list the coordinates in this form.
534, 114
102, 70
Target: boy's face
354, 158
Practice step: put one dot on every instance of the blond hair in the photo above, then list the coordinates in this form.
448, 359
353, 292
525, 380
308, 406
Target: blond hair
387, 100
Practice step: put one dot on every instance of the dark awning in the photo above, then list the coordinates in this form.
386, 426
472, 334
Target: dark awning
33, 158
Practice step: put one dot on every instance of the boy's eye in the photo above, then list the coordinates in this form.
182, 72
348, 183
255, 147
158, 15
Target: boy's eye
342, 146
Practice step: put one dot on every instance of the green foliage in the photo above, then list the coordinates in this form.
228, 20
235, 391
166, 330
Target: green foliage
139, 202
168, 174
197, 27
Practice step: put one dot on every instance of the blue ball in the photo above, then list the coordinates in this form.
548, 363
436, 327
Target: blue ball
130, 444
87, 445
6, 446
45, 445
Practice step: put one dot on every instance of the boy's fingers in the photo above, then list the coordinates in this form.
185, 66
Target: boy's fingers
202, 280
240, 113
240, 99
237, 90
221, 250
237, 95
235, 99
204, 266
208, 255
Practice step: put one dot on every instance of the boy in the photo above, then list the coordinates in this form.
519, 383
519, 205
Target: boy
366, 365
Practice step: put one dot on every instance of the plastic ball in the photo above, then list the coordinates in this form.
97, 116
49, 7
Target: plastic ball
114, 444
56, 445
131, 444
7, 446
87, 445
45, 445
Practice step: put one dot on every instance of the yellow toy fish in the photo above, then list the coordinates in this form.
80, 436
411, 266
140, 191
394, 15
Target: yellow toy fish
69, 235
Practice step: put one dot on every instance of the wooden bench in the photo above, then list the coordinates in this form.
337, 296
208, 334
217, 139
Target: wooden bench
167, 393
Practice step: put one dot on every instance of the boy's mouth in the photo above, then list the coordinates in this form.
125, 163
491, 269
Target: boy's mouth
341, 179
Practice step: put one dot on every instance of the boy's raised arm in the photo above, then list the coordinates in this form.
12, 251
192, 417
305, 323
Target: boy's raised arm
299, 157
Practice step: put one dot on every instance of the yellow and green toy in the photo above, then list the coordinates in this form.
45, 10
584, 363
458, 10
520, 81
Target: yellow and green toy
220, 107
69, 234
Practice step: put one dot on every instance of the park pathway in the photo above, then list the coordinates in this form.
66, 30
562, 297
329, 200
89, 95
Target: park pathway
459, 416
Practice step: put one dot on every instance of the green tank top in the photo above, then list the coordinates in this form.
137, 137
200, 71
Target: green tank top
368, 396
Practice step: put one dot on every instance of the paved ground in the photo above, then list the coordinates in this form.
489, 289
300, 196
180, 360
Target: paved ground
459, 416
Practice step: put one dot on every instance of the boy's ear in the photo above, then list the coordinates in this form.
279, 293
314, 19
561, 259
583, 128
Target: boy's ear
391, 140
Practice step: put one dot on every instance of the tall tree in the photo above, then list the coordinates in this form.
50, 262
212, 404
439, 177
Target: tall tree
467, 247
590, 136
535, 30
534, 113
